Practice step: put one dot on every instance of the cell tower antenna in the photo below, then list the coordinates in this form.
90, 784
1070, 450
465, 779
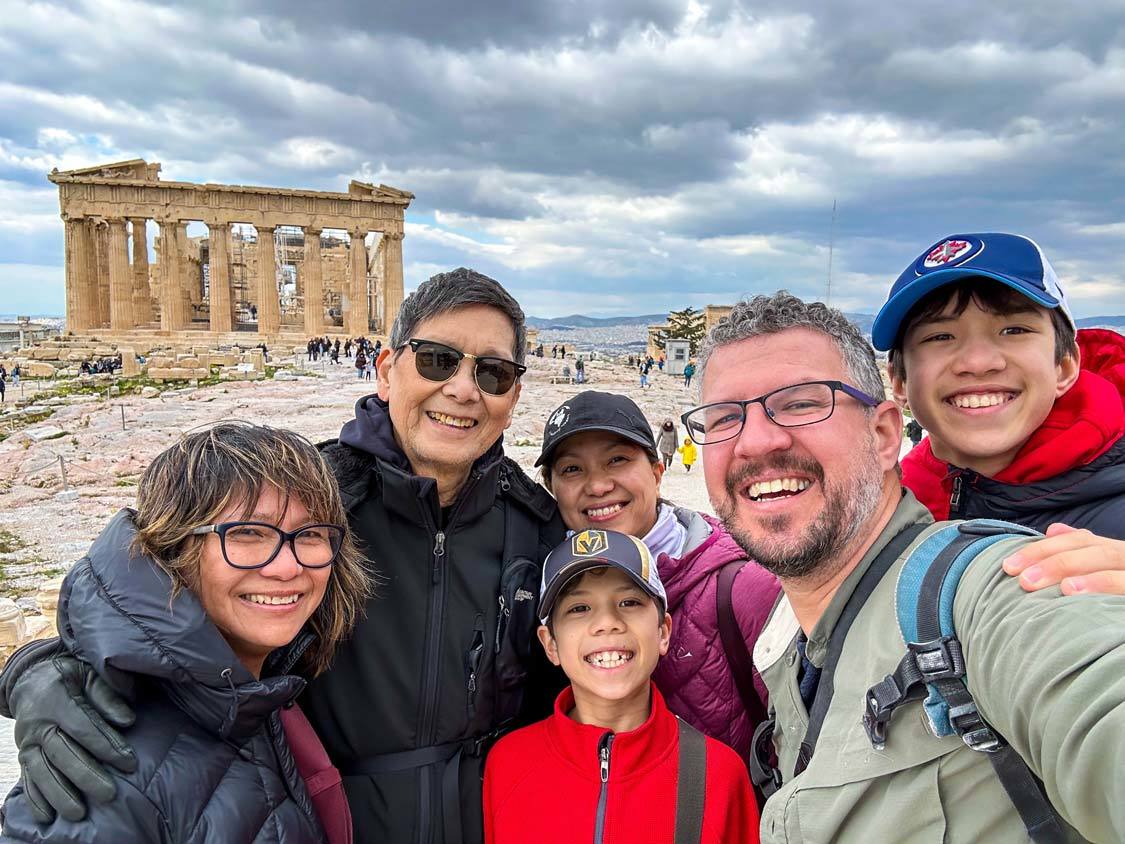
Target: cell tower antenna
831, 247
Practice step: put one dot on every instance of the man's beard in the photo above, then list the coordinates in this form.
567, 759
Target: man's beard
847, 507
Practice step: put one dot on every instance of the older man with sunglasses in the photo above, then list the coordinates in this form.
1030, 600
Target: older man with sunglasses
444, 659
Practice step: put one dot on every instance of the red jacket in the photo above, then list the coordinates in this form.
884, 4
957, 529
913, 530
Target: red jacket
1083, 427
543, 784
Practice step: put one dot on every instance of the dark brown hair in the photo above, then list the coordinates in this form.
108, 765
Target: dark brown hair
201, 476
990, 296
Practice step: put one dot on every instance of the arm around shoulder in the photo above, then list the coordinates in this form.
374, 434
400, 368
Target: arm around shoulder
1048, 673
132, 816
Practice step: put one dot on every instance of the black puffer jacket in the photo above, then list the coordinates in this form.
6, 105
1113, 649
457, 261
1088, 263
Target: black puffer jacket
213, 764
439, 660
1090, 496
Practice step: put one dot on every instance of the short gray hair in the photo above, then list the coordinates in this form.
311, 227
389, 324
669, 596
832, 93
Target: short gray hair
458, 288
774, 314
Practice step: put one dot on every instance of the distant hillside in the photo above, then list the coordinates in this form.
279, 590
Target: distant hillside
579, 321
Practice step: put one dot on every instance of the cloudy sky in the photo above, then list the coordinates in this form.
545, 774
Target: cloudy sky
614, 157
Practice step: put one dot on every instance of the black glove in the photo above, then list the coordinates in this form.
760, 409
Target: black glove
65, 725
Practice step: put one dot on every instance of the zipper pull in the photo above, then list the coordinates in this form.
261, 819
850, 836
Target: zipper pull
473, 682
603, 755
503, 481
439, 552
955, 498
501, 620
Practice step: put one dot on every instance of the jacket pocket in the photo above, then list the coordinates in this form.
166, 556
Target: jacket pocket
516, 623
473, 658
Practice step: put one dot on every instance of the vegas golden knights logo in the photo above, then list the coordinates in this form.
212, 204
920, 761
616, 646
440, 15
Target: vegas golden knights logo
588, 543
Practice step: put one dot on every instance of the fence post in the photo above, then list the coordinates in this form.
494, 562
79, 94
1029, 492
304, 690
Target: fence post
62, 470
122, 416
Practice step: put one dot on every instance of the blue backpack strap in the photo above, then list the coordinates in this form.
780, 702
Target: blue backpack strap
934, 665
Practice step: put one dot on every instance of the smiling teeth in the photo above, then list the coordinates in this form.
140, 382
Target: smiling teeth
609, 510
609, 659
272, 599
453, 421
981, 399
778, 485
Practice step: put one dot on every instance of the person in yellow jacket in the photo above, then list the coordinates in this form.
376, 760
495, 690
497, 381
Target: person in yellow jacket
687, 453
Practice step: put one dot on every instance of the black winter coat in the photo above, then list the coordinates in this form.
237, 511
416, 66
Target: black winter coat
439, 659
213, 764
1090, 496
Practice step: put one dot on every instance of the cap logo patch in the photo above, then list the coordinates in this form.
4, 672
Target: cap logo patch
558, 419
945, 253
589, 543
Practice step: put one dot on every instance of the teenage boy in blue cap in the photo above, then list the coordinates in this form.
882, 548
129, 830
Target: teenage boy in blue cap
611, 765
1024, 413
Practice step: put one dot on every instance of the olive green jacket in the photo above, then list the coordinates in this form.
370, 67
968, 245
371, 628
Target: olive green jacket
1047, 672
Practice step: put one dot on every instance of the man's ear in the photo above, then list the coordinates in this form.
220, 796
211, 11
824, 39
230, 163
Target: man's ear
1068, 372
550, 647
888, 434
383, 374
515, 400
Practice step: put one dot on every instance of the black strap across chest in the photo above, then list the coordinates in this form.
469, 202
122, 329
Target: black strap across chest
824, 691
691, 784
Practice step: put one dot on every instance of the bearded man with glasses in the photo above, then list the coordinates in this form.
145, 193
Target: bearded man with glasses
443, 661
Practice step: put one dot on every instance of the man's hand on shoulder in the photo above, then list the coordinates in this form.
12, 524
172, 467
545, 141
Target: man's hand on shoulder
1078, 561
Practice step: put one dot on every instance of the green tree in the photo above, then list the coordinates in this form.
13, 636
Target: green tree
684, 325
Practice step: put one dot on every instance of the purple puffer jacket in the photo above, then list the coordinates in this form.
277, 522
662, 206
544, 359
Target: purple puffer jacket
695, 677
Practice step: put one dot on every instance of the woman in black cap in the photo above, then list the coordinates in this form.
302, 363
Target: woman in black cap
600, 460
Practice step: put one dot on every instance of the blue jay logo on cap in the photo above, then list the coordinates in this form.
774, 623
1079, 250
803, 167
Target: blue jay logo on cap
950, 253
589, 543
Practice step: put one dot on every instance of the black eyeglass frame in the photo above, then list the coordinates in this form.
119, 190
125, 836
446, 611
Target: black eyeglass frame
837, 386
414, 343
289, 536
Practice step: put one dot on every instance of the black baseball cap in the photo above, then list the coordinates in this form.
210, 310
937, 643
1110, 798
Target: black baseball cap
594, 411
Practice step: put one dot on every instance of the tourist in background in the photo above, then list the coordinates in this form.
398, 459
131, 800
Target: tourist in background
687, 453
666, 442
689, 371
235, 571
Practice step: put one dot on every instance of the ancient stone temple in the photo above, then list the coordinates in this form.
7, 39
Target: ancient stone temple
274, 262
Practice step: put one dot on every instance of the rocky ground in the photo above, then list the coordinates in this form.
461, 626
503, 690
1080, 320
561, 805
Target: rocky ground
42, 532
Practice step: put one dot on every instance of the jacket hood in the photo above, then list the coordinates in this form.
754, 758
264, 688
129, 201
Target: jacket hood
371, 431
1084, 424
116, 613
708, 548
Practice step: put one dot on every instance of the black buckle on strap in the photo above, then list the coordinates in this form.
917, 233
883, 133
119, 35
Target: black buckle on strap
938, 659
973, 729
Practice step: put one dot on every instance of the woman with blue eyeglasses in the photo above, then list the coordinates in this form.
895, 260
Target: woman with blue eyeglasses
234, 575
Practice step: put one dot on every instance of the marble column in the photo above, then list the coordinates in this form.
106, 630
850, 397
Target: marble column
269, 308
101, 250
220, 293
312, 274
393, 293
356, 311
89, 290
142, 292
120, 279
78, 303
172, 317
191, 283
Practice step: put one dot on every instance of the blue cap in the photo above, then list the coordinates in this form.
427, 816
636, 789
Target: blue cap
1010, 259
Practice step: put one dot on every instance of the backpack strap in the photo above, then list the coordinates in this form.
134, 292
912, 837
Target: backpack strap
691, 784
734, 645
934, 666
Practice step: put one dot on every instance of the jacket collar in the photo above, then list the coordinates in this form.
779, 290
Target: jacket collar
414, 496
634, 754
116, 613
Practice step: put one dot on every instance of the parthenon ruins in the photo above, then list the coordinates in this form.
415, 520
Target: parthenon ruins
294, 273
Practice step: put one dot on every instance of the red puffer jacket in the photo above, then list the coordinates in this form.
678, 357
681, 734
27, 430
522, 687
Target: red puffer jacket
695, 676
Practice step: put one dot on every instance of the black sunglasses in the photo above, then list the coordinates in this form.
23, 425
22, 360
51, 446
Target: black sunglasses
438, 362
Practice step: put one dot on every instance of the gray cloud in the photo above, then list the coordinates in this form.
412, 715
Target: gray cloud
669, 151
